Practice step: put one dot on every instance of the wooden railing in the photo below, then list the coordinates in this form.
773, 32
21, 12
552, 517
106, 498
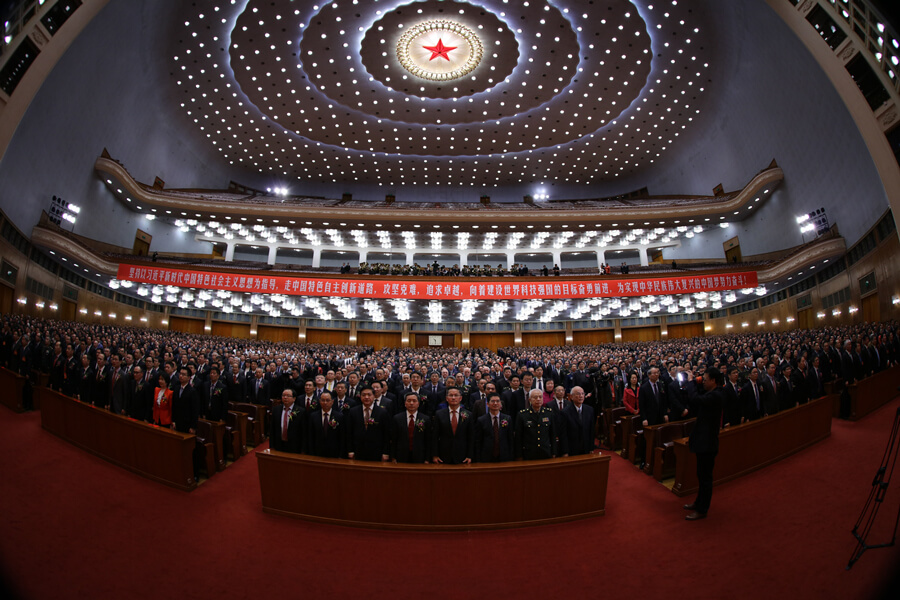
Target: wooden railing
751, 446
433, 497
11, 386
160, 454
872, 393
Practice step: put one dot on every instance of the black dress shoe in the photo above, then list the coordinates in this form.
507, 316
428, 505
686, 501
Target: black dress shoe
694, 516
688, 507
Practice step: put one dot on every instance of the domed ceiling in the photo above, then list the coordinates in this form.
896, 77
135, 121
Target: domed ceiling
492, 93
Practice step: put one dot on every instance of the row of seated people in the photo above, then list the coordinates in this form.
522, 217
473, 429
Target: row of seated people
438, 270
453, 434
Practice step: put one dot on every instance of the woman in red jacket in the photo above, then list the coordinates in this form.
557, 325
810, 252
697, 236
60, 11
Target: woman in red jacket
631, 394
162, 403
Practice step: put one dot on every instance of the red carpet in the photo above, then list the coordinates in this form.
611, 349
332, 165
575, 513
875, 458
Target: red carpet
74, 526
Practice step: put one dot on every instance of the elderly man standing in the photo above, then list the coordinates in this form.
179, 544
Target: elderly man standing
704, 441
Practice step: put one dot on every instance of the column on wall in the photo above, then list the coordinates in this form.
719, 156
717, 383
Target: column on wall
301, 331
273, 251
601, 258
404, 336
510, 259
663, 326
570, 339
207, 325
362, 255
557, 257
618, 330
317, 258
517, 334
254, 322
410, 257
353, 326
643, 254
463, 259
229, 251
464, 338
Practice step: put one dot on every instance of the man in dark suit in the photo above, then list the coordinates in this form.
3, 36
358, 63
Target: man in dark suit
435, 391
100, 387
580, 425
287, 426
769, 386
454, 438
752, 405
731, 411
258, 389
326, 427
652, 400
704, 440
382, 398
815, 380
513, 397
117, 385
369, 436
494, 434
85, 379
215, 396
236, 385
185, 404
138, 396
412, 432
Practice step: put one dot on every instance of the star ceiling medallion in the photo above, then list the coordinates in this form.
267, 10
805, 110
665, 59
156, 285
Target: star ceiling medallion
439, 50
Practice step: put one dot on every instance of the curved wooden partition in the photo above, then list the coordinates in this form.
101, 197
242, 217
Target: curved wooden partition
11, 386
871, 393
753, 445
433, 497
157, 453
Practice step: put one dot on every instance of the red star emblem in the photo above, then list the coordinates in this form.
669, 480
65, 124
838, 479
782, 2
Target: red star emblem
440, 50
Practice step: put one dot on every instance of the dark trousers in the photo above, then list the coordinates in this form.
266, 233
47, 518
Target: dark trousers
705, 463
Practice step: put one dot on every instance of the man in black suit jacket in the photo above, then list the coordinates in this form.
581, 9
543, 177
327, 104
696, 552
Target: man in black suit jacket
494, 434
435, 391
581, 427
382, 398
652, 400
752, 405
731, 411
454, 438
85, 379
287, 426
769, 386
513, 397
185, 404
412, 432
369, 435
100, 387
215, 397
326, 427
117, 385
258, 389
138, 396
704, 440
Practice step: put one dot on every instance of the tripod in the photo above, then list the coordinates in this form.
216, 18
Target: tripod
876, 497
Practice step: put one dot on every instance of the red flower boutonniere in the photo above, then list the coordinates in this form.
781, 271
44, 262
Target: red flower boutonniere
464, 416
333, 424
420, 425
370, 421
504, 423
291, 415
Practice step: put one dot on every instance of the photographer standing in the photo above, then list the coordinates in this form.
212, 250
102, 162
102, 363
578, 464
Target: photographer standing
704, 441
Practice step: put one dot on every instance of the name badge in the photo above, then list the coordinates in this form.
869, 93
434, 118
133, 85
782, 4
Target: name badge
546, 419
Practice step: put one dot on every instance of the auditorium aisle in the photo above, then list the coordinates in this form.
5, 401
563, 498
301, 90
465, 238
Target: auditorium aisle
76, 526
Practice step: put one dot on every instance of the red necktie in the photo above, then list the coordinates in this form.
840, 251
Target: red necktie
496, 451
284, 425
453, 422
411, 431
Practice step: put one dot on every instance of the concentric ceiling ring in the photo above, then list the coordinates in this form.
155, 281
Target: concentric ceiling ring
317, 92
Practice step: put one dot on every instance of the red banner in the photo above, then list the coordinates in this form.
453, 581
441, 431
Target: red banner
474, 288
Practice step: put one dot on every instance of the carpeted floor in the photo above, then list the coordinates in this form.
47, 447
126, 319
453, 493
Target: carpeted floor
74, 526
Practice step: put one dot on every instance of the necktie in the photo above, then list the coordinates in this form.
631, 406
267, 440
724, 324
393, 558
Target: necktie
756, 394
496, 451
540, 385
453, 422
579, 415
325, 422
561, 405
284, 425
368, 413
655, 392
411, 431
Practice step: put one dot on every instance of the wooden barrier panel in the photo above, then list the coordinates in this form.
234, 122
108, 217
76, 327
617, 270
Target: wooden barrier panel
156, 453
745, 448
11, 386
873, 392
433, 497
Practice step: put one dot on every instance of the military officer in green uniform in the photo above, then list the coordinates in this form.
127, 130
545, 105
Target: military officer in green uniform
536, 434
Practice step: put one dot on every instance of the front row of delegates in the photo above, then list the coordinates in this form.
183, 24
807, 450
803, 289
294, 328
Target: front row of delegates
454, 435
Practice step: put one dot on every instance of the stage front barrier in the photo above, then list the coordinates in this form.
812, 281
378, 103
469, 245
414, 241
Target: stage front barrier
11, 387
160, 454
871, 393
751, 446
433, 497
